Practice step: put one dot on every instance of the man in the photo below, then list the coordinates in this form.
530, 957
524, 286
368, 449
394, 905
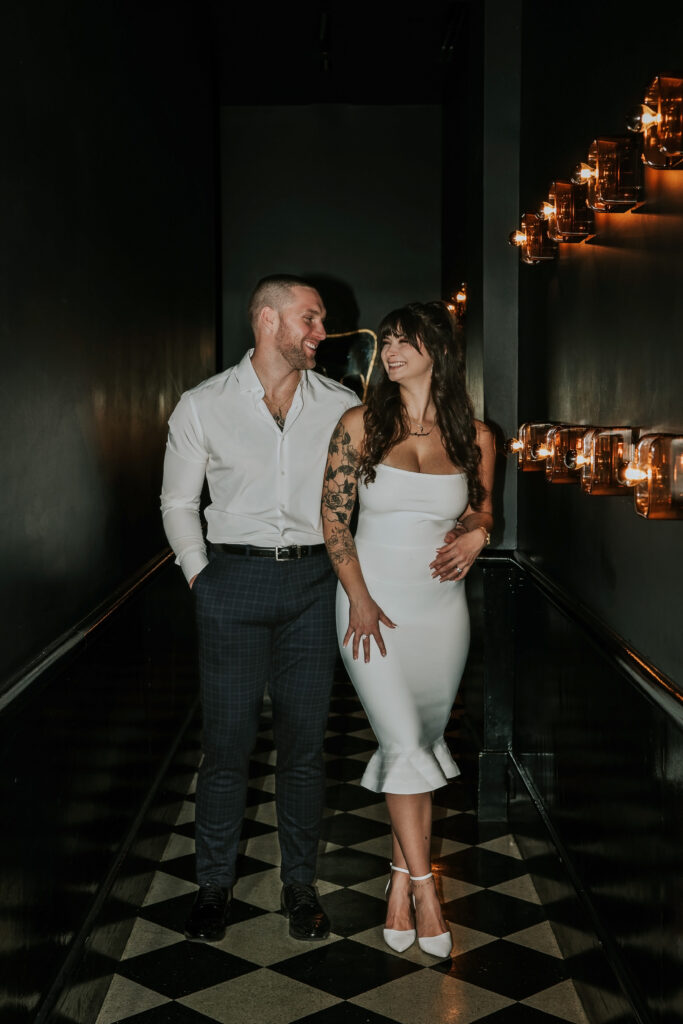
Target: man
264, 594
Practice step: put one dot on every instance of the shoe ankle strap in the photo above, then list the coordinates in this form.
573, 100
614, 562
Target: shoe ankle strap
402, 870
421, 878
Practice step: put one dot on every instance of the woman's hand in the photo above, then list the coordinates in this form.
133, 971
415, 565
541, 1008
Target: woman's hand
364, 619
457, 555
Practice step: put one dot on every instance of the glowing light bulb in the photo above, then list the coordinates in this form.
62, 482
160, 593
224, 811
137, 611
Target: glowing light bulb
513, 445
634, 474
547, 209
517, 237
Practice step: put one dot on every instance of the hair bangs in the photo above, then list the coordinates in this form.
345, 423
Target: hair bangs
400, 323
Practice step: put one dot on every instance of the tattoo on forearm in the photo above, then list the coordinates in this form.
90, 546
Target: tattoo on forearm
339, 485
339, 497
341, 547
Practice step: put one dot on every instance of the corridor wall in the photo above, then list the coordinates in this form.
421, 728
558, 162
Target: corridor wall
600, 327
310, 190
107, 291
597, 666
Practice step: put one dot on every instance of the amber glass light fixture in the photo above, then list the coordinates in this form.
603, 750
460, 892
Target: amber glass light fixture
659, 120
458, 302
613, 173
656, 474
532, 240
607, 451
530, 446
565, 444
566, 210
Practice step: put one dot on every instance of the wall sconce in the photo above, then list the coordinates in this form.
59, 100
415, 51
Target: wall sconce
607, 451
532, 240
613, 174
566, 453
458, 302
530, 446
659, 119
656, 474
569, 217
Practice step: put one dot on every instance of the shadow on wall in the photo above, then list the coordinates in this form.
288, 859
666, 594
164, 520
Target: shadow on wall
348, 358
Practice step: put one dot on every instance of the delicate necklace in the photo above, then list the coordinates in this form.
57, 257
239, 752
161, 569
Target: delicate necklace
421, 432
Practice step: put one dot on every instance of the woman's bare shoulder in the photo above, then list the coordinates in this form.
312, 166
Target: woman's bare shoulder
349, 431
354, 422
485, 437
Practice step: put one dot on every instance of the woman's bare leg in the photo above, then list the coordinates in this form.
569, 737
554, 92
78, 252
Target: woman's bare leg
411, 822
399, 903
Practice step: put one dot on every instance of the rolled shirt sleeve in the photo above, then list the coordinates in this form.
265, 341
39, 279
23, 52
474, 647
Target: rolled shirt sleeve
184, 471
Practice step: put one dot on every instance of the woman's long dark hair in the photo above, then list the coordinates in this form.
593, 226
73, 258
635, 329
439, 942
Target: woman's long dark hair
386, 421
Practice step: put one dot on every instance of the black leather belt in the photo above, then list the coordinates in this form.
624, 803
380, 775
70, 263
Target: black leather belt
287, 554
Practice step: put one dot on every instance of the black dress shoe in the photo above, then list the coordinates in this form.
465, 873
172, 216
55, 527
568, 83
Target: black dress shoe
209, 915
307, 919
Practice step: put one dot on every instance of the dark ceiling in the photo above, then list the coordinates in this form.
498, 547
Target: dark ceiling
339, 52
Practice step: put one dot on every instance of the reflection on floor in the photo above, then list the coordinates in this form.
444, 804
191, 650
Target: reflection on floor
506, 967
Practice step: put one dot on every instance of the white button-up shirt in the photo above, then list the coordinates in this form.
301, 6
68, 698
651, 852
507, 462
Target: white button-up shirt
265, 483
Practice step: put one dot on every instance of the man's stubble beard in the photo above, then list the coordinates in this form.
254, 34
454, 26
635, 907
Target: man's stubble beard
294, 354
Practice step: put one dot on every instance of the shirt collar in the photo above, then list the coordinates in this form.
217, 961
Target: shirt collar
248, 380
246, 375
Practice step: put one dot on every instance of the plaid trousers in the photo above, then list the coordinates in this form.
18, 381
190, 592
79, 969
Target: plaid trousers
263, 622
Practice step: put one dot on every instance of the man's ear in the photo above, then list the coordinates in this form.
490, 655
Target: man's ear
269, 319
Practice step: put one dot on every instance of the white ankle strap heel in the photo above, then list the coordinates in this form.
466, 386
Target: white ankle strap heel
435, 945
397, 940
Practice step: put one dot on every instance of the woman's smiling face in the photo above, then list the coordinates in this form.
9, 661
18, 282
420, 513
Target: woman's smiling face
402, 361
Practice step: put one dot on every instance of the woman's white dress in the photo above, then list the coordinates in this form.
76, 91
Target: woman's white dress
408, 695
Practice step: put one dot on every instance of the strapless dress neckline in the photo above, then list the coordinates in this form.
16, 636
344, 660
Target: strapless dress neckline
415, 472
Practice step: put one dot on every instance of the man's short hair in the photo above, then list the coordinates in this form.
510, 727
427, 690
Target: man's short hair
275, 291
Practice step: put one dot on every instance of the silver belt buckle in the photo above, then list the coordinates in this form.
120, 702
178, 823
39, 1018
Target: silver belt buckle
293, 551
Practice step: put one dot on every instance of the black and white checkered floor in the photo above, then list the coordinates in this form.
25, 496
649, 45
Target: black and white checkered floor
506, 967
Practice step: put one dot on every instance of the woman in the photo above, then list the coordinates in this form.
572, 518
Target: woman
425, 470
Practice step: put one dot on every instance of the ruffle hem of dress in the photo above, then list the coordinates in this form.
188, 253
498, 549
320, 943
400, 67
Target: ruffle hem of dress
417, 771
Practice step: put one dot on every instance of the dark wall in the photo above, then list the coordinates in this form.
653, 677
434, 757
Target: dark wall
349, 194
600, 328
603, 759
596, 736
107, 292
82, 752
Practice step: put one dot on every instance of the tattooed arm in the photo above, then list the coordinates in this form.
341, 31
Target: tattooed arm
340, 489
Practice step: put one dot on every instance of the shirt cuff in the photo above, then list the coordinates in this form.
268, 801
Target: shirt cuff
192, 563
